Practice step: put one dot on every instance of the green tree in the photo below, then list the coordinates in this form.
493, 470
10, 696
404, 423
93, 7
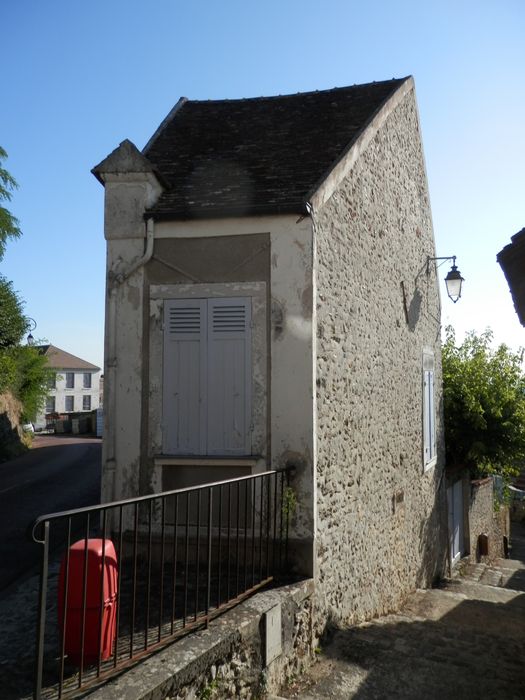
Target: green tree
13, 323
9, 227
24, 371
484, 405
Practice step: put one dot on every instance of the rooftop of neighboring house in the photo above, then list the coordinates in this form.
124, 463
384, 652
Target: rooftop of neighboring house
60, 359
512, 261
262, 155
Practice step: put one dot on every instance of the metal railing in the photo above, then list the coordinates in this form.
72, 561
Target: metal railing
164, 564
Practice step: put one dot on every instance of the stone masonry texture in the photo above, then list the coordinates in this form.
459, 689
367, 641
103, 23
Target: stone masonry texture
484, 518
381, 517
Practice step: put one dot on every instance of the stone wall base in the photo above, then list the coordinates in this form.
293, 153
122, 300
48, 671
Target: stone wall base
228, 660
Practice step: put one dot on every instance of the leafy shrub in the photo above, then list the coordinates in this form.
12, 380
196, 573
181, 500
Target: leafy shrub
31, 378
484, 405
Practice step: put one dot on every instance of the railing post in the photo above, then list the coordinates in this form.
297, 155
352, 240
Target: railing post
119, 579
64, 610
286, 558
41, 628
208, 584
84, 601
162, 562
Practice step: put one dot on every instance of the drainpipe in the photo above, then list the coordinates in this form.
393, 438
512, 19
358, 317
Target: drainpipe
111, 364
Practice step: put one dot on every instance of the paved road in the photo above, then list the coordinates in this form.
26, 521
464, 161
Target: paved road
59, 473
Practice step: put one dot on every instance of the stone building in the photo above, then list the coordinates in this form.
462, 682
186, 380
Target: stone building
270, 303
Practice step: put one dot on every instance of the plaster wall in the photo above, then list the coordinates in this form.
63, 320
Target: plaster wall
379, 533
267, 258
292, 408
123, 371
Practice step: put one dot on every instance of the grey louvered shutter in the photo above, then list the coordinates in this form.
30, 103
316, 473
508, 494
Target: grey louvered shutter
229, 376
429, 410
432, 415
184, 385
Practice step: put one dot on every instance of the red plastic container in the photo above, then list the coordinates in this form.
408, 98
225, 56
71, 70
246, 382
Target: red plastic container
97, 637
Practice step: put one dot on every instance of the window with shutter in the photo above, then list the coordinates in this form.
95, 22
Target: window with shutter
207, 376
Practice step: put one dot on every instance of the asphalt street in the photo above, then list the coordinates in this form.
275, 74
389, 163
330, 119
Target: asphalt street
58, 473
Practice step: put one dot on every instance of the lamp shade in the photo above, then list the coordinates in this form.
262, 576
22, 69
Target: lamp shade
454, 280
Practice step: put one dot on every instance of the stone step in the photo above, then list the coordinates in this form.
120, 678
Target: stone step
471, 571
491, 577
504, 573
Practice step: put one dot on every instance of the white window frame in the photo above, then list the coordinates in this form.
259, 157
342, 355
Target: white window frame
86, 398
72, 399
429, 410
70, 375
87, 380
50, 399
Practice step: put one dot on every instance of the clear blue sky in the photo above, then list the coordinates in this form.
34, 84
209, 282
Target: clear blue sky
79, 77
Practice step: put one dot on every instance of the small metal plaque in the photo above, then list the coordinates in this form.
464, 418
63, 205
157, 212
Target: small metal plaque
273, 634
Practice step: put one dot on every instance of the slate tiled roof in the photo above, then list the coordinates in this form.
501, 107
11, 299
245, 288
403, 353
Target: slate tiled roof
60, 359
512, 261
259, 155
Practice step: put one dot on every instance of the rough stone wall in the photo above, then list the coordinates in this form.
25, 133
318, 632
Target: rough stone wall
484, 519
380, 517
13, 441
240, 672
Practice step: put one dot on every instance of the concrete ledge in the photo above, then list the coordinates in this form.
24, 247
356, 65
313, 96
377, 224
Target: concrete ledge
192, 662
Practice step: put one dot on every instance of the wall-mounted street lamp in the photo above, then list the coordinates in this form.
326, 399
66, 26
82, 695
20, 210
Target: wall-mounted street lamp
453, 280
31, 327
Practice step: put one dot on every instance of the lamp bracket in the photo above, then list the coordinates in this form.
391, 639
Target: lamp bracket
446, 257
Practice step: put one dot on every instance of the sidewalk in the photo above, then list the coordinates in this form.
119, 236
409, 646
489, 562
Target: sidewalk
463, 641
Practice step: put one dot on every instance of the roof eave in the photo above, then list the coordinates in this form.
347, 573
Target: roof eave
512, 262
300, 208
167, 119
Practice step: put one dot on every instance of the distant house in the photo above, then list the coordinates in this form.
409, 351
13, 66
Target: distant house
270, 303
76, 388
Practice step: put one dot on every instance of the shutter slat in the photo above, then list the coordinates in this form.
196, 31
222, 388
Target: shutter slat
228, 318
182, 320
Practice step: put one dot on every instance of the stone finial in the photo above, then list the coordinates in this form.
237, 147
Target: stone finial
125, 159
